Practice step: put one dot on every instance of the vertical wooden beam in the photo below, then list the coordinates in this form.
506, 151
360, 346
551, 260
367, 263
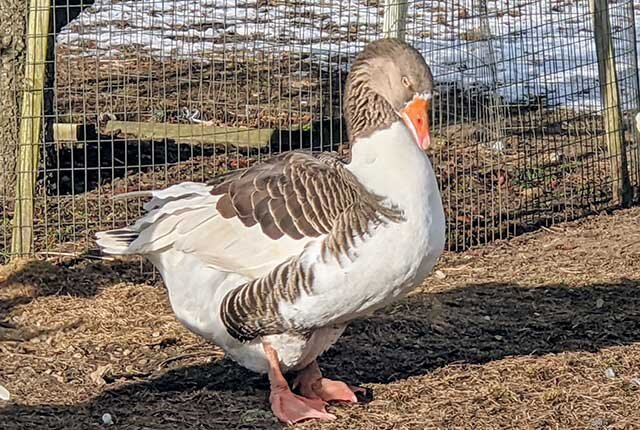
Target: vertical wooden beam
30, 125
12, 47
395, 18
496, 104
612, 115
634, 165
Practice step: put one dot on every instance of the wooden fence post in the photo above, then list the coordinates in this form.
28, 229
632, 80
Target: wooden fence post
395, 18
30, 125
612, 115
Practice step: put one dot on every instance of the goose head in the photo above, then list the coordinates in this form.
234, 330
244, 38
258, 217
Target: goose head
388, 82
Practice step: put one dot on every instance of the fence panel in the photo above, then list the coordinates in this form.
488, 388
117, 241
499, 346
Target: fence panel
142, 94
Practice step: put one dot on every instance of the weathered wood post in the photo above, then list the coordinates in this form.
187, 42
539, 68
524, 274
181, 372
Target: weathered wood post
610, 95
12, 47
395, 18
30, 125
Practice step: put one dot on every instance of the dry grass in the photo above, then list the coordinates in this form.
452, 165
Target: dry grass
516, 335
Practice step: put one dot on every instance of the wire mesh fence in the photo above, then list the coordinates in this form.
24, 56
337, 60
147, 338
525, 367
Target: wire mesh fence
141, 94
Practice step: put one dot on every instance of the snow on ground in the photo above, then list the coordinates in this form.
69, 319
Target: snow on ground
522, 49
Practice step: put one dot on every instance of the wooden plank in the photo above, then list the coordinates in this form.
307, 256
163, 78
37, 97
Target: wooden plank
63, 132
192, 134
31, 120
395, 18
609, 91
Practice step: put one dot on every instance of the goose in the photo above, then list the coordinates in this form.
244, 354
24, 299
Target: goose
272, 263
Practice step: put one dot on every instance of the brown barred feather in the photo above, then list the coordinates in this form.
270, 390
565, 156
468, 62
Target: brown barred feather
252, 309
299, 195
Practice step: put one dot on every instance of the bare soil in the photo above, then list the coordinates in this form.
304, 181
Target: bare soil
540, 332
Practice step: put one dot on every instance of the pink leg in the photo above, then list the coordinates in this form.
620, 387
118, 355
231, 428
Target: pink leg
314, 386
287, 406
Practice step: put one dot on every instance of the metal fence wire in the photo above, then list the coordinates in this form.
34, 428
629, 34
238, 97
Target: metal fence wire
142, 94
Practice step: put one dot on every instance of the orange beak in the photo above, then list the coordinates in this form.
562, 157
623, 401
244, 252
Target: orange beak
416, 117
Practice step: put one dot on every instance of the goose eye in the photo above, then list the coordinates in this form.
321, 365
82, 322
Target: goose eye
406, 82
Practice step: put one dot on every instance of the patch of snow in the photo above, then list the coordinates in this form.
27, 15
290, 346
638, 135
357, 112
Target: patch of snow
518, 49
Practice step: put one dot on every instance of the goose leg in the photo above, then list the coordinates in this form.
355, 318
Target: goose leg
288, 407
312, 385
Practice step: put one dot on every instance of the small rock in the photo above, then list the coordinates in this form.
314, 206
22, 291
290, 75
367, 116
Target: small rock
107, 419
599, 303
610, 373
635, 381
486, 318
439, 274
155, 334
4, 393
598, 423
498, 337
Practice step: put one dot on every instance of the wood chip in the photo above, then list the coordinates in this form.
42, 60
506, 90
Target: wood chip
97, 376
4, 394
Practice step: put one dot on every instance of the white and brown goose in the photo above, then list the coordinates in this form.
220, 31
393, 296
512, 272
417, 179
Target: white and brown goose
272, 263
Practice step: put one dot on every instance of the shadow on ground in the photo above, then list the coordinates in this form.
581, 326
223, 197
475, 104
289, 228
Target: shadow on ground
78, 277
477, 323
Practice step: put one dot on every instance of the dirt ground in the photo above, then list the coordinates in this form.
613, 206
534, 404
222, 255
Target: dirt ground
541, 332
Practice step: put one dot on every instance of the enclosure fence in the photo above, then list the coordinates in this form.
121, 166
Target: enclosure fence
533, 119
